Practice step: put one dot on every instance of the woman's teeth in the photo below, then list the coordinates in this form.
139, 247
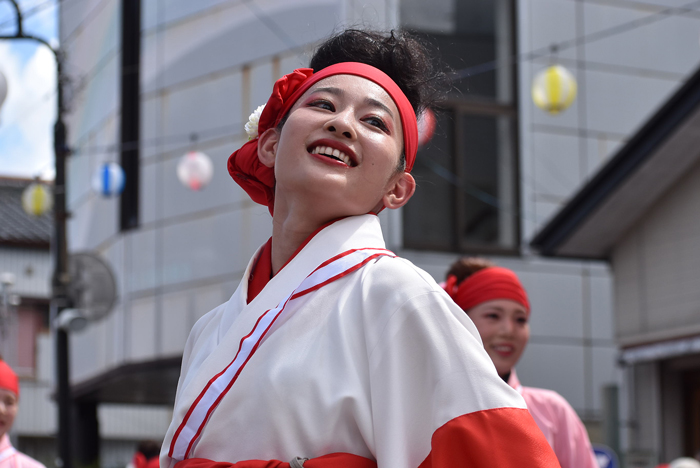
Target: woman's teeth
332, 153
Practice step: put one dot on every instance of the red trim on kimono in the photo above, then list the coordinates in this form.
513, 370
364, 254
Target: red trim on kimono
261, 273
199, 413
495, 437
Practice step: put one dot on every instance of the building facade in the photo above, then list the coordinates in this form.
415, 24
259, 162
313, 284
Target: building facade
638, 213
158, 79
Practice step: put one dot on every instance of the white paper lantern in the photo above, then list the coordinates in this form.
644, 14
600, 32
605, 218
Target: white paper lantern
108, 180
554, 89
195, 170
37, 199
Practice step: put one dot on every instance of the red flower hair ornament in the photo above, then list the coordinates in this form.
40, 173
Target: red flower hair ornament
257, 179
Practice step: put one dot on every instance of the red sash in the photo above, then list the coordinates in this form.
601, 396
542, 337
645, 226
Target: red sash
333, 460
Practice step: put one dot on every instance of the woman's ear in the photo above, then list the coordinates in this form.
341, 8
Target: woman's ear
267, 147
402, 191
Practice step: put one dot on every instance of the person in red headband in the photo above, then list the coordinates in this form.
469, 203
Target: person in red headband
497, 303
9, 402
334, 352
146, 456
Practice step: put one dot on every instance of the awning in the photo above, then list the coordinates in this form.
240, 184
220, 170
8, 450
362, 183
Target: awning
151, 382
659, 351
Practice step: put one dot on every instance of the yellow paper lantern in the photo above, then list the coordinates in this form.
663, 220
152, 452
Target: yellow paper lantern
554, 89
37, 199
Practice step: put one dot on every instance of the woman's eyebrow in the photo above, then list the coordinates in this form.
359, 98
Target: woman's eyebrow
374, 102
331, 90
368, 101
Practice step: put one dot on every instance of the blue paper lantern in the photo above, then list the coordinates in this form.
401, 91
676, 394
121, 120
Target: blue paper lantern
108, 180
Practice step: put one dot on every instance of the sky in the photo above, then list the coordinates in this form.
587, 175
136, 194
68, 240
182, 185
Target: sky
29, 111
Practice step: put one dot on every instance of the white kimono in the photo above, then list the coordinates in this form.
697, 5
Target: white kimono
372, 363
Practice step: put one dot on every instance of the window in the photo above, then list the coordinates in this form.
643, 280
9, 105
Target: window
467, 197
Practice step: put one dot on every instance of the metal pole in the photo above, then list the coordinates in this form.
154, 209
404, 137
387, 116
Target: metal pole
60, 283
60, 279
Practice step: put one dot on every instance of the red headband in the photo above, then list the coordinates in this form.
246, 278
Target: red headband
486, 285
257, 179
8, 378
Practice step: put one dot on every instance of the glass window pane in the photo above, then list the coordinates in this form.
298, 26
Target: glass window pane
465, 34
485, 200
428, 218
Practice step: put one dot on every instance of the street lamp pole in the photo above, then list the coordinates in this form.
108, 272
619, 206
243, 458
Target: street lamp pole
60, 280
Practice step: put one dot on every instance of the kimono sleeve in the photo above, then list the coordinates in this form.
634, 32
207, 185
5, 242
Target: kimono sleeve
437, 400
199, 343
571, 443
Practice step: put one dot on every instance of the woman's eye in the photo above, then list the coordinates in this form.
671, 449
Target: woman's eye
323, 104
522, 320
377, 122
492, 316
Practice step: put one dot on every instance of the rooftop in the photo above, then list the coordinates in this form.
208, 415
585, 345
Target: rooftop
17, 228
664, 149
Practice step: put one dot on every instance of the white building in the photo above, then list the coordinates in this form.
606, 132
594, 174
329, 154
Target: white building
497, 168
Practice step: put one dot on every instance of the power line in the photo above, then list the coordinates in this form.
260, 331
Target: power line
89, 17
271, 25
577, 41
184, 139
460, 74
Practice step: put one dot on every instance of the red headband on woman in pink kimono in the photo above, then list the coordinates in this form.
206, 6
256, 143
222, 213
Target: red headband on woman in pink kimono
257, 179
487, 285
8, 378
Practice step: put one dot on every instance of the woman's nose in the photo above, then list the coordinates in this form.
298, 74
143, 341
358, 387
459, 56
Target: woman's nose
342, 124
507, 327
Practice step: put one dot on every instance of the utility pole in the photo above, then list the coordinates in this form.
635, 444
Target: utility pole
59, 246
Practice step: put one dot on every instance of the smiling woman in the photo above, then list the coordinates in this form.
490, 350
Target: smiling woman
334, 352
497, 303
9, 400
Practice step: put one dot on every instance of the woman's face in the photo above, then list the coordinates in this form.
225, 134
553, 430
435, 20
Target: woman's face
504, 329
339, 147
8, 410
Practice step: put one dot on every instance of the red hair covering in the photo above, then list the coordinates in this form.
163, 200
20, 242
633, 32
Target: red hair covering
8, 378
140, 461
486, 285
257, 179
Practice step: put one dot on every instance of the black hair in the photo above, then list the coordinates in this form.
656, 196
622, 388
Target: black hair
400, 55
467, 266
149, 448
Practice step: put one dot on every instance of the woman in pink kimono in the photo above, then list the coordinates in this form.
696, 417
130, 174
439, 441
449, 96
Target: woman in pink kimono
497, 303
9, 402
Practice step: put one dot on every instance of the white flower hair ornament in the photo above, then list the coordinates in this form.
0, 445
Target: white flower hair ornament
251, 127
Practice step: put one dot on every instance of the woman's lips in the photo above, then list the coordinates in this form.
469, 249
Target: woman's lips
333, 150
503, 350
333, 162
332, 153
